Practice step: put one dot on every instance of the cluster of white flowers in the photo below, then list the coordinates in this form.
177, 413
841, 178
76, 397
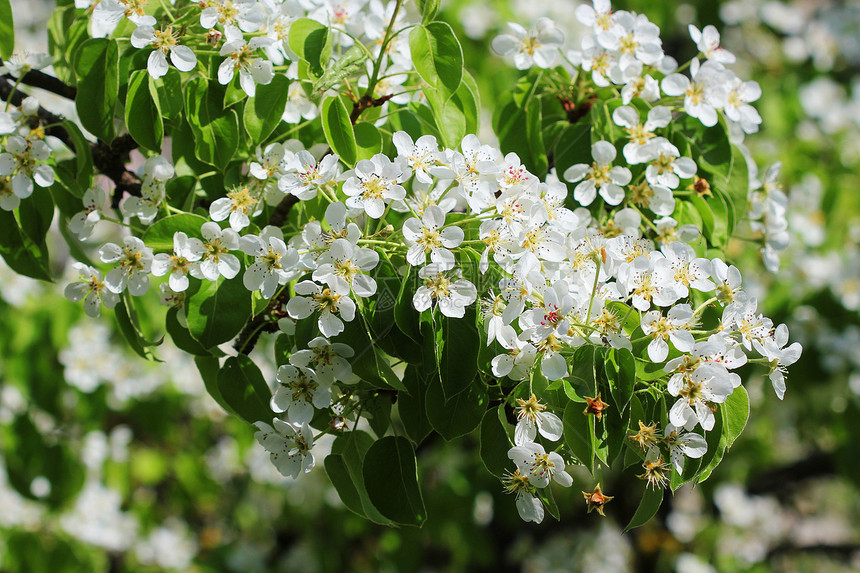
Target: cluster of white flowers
23, 152
252, 38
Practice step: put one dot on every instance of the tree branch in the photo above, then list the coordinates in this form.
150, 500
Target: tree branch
109, 160
41, 80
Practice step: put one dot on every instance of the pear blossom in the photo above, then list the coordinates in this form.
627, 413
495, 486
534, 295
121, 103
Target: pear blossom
239, 205
528, 505
21, 158
374, 182
252, 70
666, 166
704, 94
107, 14
444, 287
332, 301
536, 47
274, 262
774, 350
737, 107
289, 446
304, 176
532, 418
92, 289
344, 265
83, 222
673, 327
328, 360
421, 155
683, 445
133, 263
695, 392
19, 63
186, 251
216, 259
246, 15
708, 42
165, 42
426, 236
600, 176
541, 467
298, 393
638, 133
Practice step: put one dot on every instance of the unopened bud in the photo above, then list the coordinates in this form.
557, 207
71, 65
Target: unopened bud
213, 37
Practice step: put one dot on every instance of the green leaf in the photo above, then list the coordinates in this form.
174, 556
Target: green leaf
495, 442
142, 113
218, 310
20, 252
377, 411
216, 130
7, 30
308, 39
36, 214
437, 55
651, 501
411, 404
338, 129
348, 451
737, 412
181, 337
243, 387
457, 115
263, 111
83, 153
160, 235
455, 415
209, 369
368, 140
126, 318
97, 68
391, 478
428, 9
621, 374
458, 361
579, 434
168, 90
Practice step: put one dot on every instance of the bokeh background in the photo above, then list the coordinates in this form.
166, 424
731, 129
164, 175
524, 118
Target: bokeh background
111, 463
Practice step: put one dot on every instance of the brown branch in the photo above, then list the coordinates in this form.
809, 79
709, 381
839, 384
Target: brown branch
107, 159
41, 80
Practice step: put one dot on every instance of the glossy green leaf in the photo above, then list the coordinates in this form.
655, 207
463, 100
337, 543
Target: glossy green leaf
391, 478
495, 442
651, 501
168, 90
97, 67
209, 369
348, 451
142, 113
308, 39
216, 130
218, 310
243, 387
368, 140
22, 255
621, 373
428, 9
7, 30
458, 361
411, 404
579, 433
437, 55
338, 129
159, 236
83, 154
349, 64
263, 111
457, 415
180, 335
126, 318
737, 412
